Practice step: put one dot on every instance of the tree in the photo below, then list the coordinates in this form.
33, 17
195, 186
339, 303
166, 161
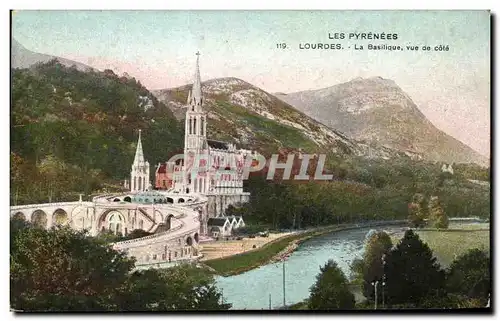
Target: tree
412, 272
416, 211
63, 270
106, 236
184, 287
378, 245
135, 234
469, 275
331, 289
437, 217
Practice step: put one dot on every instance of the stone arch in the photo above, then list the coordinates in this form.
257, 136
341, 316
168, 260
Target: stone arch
19, 216
127, 199
59, 217
168, 221
196, 237
189, 241
116, 223
170, 200
39, 218
160, 214
181, 200
116, 200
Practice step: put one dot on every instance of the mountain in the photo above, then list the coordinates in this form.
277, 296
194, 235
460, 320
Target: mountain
250, 117
24, 58
77, 130
378, 110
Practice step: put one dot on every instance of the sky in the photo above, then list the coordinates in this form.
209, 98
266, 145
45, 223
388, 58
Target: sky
452, 88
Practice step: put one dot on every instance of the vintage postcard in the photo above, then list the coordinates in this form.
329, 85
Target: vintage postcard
250, 160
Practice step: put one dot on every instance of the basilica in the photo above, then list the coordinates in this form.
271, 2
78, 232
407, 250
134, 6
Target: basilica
208, 167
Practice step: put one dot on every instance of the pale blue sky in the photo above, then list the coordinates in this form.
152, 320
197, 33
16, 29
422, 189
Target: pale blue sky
451, 88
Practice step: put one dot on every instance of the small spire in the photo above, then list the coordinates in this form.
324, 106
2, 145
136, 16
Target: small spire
139, 155
196, 94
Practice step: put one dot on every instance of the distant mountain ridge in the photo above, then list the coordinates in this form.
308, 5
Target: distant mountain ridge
247, 115
24, 58
378, 110
366, 117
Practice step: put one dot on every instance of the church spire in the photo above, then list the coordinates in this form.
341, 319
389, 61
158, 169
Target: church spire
139, 155
196, 95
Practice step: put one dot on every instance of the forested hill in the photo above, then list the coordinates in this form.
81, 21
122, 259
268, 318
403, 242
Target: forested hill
73, 130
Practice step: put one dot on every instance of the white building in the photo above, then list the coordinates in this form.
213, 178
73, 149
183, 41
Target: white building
220, 164
224, 226
208, 168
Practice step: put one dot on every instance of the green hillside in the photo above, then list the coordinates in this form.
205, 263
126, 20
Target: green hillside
76, 132
71, 131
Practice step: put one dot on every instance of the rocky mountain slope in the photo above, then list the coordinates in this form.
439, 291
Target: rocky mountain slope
377, 110
249, 116
24, 58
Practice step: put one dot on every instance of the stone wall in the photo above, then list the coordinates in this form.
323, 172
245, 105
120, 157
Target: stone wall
217, 204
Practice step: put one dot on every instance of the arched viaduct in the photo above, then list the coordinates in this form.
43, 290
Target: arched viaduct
176, 224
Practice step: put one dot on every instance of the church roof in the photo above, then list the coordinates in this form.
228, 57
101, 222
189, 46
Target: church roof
217, 144
162, 169
196, 91
195, 95
216, 221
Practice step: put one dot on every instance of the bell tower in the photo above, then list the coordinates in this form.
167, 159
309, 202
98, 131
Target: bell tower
196, 118
195, 128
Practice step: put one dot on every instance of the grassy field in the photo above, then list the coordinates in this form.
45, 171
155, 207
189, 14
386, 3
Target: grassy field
447, 245
240, 263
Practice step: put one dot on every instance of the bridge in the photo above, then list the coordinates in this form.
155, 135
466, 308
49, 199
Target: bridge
176, 224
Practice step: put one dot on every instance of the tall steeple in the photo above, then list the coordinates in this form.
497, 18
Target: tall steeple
139, 174
195, 128
196, 94
139, 155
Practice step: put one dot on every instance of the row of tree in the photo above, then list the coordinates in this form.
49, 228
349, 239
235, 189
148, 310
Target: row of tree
406, 276
65, 270
314, 203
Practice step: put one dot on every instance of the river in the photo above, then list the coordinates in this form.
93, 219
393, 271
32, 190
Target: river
250, 290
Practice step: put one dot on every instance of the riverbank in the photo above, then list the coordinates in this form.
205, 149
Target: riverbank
221, 249
276, 250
